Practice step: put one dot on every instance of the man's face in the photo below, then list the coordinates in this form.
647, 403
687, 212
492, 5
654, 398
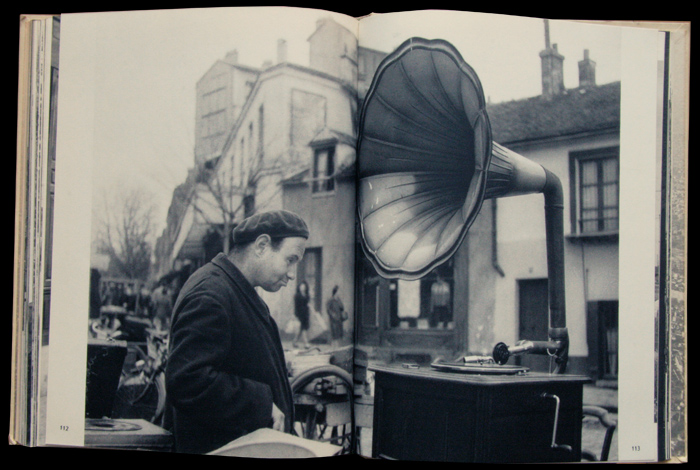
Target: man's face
278, 267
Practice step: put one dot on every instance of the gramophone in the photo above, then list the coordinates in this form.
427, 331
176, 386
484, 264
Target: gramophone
427, 162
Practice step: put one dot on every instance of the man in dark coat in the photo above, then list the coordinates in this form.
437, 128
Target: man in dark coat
226, 374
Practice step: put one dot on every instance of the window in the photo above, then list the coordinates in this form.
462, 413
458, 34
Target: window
250, 139
595, 202
261, 135
241, 163
324, 167
425, 303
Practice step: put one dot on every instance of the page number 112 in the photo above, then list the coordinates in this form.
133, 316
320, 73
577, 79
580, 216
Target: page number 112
63, 428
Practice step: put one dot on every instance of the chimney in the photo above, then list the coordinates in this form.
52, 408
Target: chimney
281, 51
232, 56
586, 71
552, 67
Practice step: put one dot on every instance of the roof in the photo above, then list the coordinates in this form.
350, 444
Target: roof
576, 111
327, 134
236, 65
301, 176
230, 64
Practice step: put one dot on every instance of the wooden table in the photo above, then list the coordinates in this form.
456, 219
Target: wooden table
430, 415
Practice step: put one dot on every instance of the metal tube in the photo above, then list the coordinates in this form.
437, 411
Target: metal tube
554, 222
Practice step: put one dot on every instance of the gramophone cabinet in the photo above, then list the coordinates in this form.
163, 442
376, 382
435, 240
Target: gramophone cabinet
429, 415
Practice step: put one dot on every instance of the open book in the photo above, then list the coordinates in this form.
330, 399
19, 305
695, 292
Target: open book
447, 322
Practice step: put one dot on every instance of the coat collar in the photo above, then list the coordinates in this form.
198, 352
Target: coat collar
238, 279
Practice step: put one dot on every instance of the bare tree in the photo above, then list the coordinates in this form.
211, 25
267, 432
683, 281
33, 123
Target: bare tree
218, 193
125, 231
220, 201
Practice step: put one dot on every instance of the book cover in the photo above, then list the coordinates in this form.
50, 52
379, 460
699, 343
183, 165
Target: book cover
192, 124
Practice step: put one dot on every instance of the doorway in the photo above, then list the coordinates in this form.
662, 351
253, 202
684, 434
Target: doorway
534, 320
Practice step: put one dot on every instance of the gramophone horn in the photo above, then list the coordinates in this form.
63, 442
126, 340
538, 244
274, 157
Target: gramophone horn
426, 159
426, 163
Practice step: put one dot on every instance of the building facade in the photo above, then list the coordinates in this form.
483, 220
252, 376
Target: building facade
575, 133
281, 136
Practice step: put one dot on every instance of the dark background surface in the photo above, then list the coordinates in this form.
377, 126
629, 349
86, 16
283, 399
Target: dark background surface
89, 458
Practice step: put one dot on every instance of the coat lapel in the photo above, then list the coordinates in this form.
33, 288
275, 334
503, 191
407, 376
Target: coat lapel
260, 308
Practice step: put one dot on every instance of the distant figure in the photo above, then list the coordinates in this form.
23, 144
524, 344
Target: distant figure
129, 299
120, 296
301, 312
337, 315
439, 303
163, 307
144, 306
108, 294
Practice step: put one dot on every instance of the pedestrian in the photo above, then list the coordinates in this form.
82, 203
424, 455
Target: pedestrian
226, 374
109, 294
439, 303
302, 313
337, 315
163, 309
144, 302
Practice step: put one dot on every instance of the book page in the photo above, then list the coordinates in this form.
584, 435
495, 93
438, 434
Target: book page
609, 270
32, 279
137, 129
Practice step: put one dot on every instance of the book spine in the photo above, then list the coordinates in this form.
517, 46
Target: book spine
30, 223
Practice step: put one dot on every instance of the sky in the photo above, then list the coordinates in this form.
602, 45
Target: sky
144, 66
504, 50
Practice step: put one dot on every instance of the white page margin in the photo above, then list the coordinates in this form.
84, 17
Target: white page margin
65, 414
637, 431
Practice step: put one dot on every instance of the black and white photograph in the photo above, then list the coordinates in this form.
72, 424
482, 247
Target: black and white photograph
280, 232
203, 141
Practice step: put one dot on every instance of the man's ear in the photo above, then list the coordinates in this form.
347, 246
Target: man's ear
262, 243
